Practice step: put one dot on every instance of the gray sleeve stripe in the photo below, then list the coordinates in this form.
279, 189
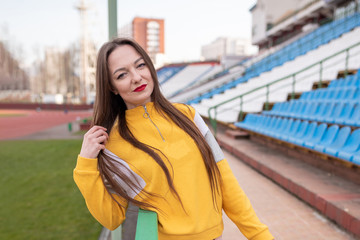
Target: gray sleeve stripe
209, 137
135, 178
215, 148
199, 122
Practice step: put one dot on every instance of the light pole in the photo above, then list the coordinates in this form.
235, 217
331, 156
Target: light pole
112, 10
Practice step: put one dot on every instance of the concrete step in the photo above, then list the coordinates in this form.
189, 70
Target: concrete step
334, 197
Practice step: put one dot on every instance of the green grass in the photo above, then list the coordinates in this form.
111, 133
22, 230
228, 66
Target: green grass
39, 199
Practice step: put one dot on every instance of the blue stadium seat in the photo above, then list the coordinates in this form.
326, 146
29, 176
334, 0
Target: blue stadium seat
351, 81
320, 110
310, 110
297, 109
351, 146
279, 123
275, 123
285, 130
338, 109
347, 94
356, 157
322, 93
300, 132
357, 81
304, 96
334, 83
338, 142
328, 110
356, 97
333, 95
282, 128
318, 134
354, 118
250, 120
328, 138
266, 123
308, 134
346, 113
284, 109
294, 128
290, 108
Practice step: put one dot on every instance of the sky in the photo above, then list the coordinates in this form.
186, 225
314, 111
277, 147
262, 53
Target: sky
29, 26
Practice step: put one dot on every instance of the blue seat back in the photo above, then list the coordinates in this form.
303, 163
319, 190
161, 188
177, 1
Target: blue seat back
348, 109
294, 127
329, 135
310, 131
352, 144
355, 115
319, 133
341, 138
302, 129
338, 110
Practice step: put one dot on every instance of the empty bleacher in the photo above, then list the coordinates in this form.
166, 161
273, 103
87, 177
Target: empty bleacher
186, 76
321, 36
325, 120
295, 76
165, 73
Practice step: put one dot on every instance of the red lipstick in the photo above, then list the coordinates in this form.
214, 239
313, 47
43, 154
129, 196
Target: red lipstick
141, 88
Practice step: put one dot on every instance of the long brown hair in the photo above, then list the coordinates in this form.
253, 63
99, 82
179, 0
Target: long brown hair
109, 107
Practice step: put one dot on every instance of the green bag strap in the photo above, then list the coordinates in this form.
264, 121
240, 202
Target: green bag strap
146, 227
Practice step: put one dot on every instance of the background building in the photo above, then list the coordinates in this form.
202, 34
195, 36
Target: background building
149, 33
228, 50
226, 46
14, 81
272, 25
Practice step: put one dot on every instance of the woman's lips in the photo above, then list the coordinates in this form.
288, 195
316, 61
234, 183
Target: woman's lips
141, 88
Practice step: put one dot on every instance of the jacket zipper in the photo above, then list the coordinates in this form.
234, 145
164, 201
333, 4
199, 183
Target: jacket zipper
147, 116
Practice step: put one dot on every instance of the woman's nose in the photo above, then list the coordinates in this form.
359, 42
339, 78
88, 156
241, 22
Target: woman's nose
136, 76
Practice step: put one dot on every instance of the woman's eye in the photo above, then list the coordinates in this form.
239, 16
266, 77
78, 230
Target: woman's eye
141, 65
121, 76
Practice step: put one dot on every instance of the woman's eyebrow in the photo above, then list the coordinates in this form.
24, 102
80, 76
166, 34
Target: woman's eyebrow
120, 69
140, 58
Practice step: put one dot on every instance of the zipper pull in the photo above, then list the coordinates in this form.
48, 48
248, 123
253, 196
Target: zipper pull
146, 115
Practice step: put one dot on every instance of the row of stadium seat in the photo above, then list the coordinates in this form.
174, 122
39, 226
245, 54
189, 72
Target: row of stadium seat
344, 94
320, 36
164, 74
320, 137
348, 81
344, 113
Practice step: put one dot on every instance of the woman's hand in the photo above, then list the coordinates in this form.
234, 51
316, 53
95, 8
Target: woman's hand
94, 141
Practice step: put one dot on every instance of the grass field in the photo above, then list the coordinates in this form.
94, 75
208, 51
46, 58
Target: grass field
39, 199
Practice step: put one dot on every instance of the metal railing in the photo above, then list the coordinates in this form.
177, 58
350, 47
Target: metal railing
267, 86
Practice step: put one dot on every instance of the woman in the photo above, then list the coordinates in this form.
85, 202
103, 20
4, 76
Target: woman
158, 156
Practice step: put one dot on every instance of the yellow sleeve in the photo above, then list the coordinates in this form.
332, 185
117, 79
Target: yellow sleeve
238, 207
99, 202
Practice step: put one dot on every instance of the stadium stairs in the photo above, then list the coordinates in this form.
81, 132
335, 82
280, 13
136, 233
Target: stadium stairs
310, 146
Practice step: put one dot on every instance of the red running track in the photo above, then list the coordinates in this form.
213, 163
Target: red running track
25, 122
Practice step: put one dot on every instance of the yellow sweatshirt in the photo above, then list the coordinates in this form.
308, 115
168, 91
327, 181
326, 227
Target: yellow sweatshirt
201, 221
